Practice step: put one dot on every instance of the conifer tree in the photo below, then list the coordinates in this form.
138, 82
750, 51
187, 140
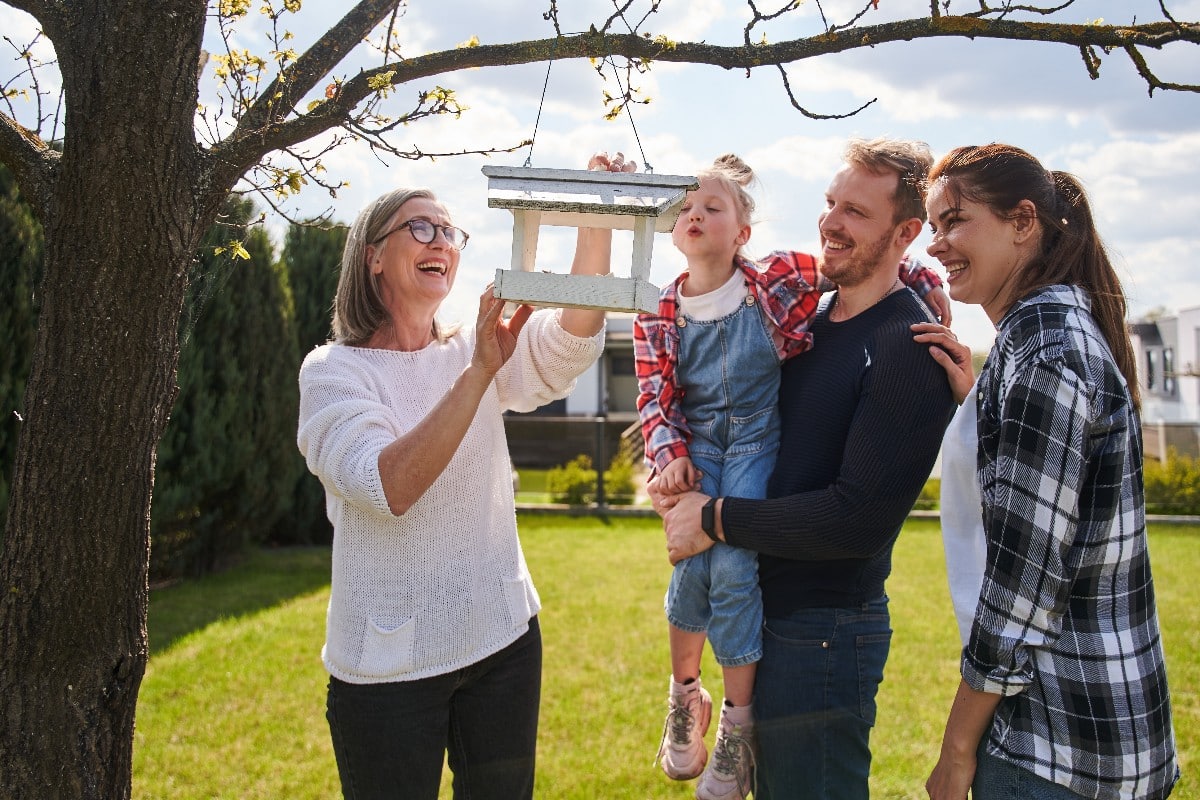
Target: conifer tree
312, 258
227, 462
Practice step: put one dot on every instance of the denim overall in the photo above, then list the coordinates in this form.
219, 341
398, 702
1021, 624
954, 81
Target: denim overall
729, 371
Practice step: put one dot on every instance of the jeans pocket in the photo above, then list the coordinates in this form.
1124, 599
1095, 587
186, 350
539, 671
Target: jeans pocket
871, 651
750, 434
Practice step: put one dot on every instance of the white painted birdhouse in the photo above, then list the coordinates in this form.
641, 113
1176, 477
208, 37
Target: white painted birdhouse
579, 198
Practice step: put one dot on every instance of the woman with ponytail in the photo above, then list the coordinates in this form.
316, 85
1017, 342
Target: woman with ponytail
1064, 689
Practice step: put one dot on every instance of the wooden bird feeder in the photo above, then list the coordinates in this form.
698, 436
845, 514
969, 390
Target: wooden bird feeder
640, 202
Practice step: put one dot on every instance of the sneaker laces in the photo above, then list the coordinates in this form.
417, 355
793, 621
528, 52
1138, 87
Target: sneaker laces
730, 749
681, 721
677, 727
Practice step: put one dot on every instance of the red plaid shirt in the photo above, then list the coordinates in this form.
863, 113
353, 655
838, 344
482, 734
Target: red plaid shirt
788, 287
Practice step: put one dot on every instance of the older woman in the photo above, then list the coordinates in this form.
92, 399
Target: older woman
432, 640
1064, 689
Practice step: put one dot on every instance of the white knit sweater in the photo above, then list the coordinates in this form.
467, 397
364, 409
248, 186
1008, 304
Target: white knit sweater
445, 584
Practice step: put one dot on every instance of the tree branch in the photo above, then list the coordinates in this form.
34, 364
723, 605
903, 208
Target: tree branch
281, 96
787, 86
32, 161
1152, 80
241, 151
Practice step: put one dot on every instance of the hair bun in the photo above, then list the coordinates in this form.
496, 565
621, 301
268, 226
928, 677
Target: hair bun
734, 168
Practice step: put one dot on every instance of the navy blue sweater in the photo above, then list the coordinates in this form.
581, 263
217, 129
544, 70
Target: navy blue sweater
863, 415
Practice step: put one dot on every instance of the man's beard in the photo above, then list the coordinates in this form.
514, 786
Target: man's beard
860, 267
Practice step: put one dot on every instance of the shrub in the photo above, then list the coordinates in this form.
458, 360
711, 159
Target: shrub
619, 488
573, 483
930, 495
1173, 486
227, 463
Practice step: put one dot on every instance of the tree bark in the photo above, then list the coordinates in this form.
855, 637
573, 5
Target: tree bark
121, 223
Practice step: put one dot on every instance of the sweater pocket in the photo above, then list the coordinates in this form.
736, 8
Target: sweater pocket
523, 601
387, 647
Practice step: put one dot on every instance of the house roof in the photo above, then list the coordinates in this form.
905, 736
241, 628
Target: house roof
1148, 332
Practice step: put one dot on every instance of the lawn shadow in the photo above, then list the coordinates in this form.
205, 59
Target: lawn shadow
265, 578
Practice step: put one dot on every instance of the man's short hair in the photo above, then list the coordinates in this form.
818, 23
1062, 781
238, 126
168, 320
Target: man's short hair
908, 159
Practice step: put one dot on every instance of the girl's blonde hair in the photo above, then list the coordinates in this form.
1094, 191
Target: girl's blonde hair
735, 175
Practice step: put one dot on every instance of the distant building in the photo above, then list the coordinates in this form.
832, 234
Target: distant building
603, 408
593, 418
1168, 363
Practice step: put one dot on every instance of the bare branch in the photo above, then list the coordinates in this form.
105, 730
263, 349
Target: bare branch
1091, 61
391, 29
1152, 80
618, 14
242, 151
551, 16
758, 17
811, 115
622, 9
1162, 5
301, 77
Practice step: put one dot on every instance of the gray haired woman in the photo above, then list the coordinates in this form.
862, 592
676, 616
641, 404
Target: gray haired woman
432, 641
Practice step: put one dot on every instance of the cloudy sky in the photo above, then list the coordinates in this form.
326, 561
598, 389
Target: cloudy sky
1136, 154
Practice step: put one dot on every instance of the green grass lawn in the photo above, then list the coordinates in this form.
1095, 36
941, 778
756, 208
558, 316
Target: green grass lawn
232, 705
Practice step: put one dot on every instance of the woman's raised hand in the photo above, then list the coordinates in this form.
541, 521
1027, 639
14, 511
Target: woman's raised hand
953, 355
496, 337
601, 161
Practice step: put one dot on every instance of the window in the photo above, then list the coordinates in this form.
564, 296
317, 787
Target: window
1151, 369
622, 364
1168, 367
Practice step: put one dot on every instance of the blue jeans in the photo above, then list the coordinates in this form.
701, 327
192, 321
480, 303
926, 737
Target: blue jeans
390, 739
997, 779
716, 592
814, 701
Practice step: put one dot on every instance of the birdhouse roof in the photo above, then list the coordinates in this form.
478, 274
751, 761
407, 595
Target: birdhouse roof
572, 192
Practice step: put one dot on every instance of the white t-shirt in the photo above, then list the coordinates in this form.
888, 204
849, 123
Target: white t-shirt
720, 302
962, 515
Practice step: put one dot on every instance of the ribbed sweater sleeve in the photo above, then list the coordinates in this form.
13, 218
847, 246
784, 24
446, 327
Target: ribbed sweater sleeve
863, 416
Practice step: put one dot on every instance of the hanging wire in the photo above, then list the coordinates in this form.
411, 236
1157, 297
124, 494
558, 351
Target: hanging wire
542, 103
632, 124
536, 122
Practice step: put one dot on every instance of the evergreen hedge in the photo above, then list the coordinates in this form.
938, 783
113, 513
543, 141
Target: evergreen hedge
226, 464
312, 257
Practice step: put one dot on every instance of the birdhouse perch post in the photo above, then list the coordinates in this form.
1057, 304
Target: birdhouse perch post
640, 202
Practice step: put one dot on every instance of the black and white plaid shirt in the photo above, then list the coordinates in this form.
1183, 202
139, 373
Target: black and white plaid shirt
1066, 629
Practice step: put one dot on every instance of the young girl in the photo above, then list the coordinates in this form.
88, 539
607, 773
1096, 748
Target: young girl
708, 374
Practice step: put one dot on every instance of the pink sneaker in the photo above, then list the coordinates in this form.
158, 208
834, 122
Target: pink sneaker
682, 752
730, 773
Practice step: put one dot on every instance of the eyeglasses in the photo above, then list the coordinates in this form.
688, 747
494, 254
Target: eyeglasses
425, 231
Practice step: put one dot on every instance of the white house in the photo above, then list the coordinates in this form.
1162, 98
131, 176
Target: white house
594, 418
1168, 363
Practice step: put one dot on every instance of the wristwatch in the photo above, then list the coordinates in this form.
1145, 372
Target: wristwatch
708, 522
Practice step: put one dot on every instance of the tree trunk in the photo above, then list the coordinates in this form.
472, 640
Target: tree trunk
121, 226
